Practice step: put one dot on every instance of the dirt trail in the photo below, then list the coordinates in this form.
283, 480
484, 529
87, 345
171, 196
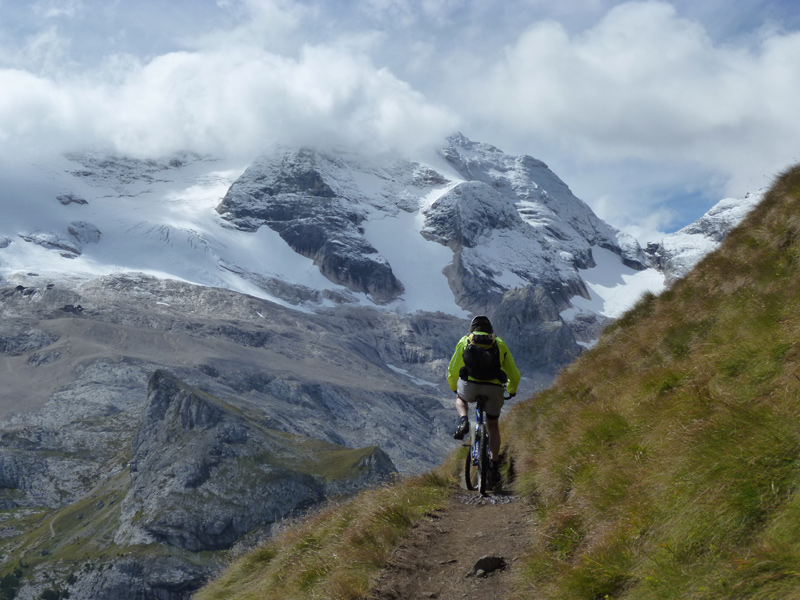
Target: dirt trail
441, 552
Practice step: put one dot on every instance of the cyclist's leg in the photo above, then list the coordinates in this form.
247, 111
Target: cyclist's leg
461, 407
493, 427
493, 407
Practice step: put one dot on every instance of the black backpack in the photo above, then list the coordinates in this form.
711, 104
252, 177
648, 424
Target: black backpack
482, 358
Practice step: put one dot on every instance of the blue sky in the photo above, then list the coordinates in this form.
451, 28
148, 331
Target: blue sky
650, 110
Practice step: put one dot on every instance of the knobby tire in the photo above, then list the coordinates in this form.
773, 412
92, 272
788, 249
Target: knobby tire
470, 473
483, 459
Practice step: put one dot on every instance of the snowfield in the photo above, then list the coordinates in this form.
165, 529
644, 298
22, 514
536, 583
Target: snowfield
613, 289
508, 221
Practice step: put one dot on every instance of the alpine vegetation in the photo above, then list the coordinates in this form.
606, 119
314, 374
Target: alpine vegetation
665, 462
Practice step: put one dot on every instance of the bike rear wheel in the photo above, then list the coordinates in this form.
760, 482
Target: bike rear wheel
471, 469
483, 459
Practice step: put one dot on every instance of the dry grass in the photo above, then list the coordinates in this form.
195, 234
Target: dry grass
336, 553
665, 461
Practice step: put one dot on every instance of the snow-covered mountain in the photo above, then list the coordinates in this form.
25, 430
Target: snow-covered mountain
453, 233
468, 230
677, 253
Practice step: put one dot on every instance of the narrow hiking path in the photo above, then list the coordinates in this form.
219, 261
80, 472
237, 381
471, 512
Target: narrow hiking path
438, 558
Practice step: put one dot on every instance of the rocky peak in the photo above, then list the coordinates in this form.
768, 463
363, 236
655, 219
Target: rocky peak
677, 253
291, 192
508, 222
468, 214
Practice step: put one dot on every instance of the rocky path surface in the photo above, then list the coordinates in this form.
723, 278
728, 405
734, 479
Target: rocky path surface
465, 551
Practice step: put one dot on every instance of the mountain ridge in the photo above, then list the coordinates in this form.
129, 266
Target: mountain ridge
101, 302
116, 209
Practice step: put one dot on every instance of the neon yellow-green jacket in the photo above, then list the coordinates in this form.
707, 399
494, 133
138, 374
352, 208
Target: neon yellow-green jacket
506, 363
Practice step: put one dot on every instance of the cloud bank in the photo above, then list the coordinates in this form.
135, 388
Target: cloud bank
230, 101
646, 84
650, 110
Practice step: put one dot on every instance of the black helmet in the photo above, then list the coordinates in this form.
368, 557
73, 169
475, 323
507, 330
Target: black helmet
481, 323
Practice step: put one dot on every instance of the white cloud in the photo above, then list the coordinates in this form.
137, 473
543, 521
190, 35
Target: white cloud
32, 110
412, 12
644, 83
634, 104
50, 9
267, 24
219, 101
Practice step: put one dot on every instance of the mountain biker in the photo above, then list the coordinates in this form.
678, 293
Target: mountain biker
469, 382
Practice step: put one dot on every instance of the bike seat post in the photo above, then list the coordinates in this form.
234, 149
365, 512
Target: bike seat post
479, 407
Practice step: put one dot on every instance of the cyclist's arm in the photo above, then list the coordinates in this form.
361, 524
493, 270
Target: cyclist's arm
455, 365
510, 367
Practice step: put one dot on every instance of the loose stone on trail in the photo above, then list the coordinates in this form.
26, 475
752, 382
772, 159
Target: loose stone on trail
487, 565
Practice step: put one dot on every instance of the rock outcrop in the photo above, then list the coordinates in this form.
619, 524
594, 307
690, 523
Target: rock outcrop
69, 245
287, 192
203, 475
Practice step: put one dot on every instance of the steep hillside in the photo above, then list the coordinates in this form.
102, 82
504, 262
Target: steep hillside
662, 464
107, 465
665, 462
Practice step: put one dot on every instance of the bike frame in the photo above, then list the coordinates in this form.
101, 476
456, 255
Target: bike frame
478, 457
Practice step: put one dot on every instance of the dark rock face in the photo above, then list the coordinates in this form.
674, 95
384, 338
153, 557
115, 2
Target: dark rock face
202, 476
469, 214
16, 340
129, 578
289, 194
529, 313
83, 232
67, 199
79, 233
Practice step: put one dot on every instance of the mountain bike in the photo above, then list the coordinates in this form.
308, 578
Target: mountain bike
476, 466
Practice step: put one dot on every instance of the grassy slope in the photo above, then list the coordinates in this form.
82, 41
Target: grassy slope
334, 553
665, 462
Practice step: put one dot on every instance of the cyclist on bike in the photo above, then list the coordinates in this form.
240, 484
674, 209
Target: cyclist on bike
481, 365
